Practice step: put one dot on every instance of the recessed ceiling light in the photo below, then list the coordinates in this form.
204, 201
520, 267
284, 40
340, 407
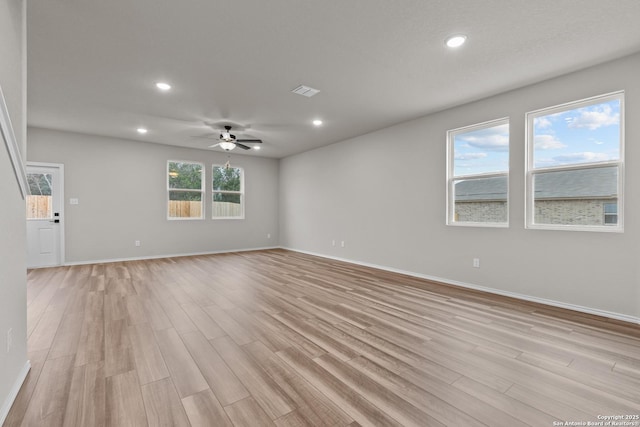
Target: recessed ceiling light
317, 122
142, 131
257, 147
456, 41
163, 86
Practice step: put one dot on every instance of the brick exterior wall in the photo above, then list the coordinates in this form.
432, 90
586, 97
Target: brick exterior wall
481, 211
574, 212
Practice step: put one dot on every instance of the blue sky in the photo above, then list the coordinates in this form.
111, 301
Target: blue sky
481, 151
582, 135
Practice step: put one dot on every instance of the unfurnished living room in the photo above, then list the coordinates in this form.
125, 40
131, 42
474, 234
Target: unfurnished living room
320, 213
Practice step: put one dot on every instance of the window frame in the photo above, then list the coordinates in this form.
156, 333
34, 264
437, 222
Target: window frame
241, 193
451, 178
531, 171
201, 191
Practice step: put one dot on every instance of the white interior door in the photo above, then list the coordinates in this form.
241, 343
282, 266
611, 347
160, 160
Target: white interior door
44, 215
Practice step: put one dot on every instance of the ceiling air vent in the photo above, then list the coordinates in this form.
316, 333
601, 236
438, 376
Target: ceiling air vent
305, 91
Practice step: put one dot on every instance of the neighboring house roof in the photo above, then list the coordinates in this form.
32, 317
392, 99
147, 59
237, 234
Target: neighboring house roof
484, 189
581, 183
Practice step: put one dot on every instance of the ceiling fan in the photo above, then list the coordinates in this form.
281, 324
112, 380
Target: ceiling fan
228, 142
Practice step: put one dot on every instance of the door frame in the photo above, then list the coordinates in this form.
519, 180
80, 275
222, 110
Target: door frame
60, 192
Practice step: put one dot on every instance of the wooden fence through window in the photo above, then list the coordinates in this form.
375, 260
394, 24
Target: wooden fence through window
39, 207
193, 209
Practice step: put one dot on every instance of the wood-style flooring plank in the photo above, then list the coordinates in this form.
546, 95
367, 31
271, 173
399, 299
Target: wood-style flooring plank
454, 408
179, 319
185, 373
204, 410
156, 315
262, 387
91, 345
316, 336
349, 400
67, 336
135, 310
118, 352
222, 381
314, 407
247, 413
162, 404
124, 404
42, 336
202, 321
149, 362
235, 330
382, 397
87, 397
494, 399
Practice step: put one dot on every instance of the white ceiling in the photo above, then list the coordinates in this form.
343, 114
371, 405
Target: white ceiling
92, 64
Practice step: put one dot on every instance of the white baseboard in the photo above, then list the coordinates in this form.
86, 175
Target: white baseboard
553, 303
110, 260
13, 393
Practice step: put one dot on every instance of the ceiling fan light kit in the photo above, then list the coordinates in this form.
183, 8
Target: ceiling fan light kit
227, 145
228, 142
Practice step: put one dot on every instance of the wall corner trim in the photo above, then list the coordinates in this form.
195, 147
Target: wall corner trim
8, 402
559, 304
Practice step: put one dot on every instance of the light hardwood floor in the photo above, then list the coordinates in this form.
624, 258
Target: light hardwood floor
279, 338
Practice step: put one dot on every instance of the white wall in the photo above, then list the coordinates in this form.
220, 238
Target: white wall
13, 303
121, 187
384, 195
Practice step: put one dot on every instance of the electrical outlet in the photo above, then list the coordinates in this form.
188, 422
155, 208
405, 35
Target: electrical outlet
9, 339
333, 243
73, 201
476, 263
268, 235
342, 243
137, 243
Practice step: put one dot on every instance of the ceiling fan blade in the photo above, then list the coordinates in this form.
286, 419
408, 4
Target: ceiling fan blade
214, 145
244, 147
252, 141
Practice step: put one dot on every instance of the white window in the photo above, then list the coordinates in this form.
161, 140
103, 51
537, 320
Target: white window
185, 190
478, 175
575, 165
228, 192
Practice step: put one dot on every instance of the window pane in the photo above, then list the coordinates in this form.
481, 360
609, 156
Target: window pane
610, 213
185, 204
185, 175
581, 135
227, 205
39, 203
229, 198
39, 184
574, 197
481, 200
39, 207
481, 151
226, 179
